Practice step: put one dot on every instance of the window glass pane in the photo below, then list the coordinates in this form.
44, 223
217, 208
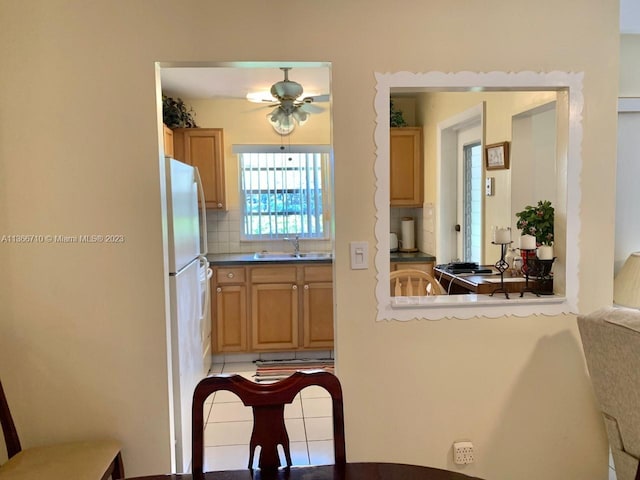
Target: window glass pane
282, 194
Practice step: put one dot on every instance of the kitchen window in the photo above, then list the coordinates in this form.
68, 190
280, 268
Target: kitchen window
283, 193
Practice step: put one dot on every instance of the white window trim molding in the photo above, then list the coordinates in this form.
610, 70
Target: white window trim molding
468, 306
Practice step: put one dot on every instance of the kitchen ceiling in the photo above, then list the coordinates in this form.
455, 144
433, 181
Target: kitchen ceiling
236, 82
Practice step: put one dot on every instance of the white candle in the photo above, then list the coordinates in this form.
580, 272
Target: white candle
501, 235
527, 242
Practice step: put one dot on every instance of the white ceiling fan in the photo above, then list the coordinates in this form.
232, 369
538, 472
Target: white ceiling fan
291, 106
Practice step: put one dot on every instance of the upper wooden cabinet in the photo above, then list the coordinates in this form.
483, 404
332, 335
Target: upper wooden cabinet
203, 148
406, 170
168, 141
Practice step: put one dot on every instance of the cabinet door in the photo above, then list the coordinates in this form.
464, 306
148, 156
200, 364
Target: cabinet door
231, 318
168, 141
318, 315
406, 167
274, 316
203, 148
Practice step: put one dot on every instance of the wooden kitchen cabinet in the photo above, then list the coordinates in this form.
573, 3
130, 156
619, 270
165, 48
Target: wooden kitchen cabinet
317, 307
274, 308
406, 167
203, 148
168, 141
230, 299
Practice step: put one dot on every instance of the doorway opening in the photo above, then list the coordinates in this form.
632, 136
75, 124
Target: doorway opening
229, 120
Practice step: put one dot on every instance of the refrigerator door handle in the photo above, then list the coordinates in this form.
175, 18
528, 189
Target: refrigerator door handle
203, 214
207, 289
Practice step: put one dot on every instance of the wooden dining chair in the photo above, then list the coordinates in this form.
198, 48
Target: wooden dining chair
267, 401
409, 283
99, 460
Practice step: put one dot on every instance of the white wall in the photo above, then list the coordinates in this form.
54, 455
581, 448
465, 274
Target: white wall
82, 327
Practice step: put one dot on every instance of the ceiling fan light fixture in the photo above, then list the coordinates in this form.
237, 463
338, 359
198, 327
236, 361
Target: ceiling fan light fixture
300, 116
281, 122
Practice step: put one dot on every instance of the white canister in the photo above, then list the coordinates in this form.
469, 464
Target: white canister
408, 234
393, 242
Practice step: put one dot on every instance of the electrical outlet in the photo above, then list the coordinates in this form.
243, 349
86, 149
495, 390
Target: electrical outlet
463, 453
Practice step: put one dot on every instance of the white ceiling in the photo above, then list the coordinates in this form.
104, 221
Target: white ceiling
236, 82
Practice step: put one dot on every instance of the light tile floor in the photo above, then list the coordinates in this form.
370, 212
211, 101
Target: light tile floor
228, 426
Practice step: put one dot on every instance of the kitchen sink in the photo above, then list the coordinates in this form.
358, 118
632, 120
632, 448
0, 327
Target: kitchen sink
292, 256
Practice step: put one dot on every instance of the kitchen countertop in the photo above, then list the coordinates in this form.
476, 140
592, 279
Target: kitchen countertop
217, 259
415, 257
249, 258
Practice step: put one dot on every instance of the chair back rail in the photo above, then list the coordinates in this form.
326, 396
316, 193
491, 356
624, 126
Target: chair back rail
267, 401
408, 282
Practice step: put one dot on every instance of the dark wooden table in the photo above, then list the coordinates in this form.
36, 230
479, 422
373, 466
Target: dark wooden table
464, 283
350, 471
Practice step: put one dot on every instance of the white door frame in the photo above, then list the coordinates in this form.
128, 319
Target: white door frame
446, 177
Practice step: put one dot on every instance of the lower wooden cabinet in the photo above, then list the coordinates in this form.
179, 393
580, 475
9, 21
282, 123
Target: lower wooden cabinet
288, 307
317, 311
230, 310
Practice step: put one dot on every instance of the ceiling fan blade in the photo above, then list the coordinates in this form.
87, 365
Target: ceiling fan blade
316, 98
310, 108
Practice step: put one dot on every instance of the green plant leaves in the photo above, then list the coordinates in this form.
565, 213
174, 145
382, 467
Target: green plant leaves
175, 113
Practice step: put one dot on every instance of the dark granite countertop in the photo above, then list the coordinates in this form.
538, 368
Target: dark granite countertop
414, 257
249, 258
217, 259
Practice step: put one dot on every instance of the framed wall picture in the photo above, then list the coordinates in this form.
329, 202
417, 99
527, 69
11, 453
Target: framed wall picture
497, 156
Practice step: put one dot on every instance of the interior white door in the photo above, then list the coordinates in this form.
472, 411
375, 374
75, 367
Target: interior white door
447, 217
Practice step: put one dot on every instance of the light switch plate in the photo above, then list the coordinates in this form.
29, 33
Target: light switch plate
359, 255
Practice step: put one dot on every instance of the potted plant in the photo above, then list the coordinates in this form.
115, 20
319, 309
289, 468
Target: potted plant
537, 221
175, 113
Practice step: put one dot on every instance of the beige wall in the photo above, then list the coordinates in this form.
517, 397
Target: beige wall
82, 327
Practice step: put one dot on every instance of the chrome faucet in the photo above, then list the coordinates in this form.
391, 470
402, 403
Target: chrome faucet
296, 244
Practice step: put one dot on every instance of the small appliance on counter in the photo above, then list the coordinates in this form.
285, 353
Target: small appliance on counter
408, 240
393, 242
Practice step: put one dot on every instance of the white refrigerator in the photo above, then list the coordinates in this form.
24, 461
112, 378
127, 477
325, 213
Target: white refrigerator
189, 275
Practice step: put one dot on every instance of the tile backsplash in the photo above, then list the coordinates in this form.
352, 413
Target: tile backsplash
223, 235
395, 223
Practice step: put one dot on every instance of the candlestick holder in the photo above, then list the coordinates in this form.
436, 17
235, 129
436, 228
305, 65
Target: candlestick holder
529, 268
501, 265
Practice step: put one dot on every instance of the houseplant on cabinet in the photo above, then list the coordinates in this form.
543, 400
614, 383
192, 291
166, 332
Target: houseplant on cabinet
175, 113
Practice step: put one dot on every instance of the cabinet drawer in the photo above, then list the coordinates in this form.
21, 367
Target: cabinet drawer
231, 275
273, 274
318, 273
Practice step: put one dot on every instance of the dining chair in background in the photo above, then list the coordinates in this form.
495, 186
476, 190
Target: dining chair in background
99, 460
268, 402
409, 283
